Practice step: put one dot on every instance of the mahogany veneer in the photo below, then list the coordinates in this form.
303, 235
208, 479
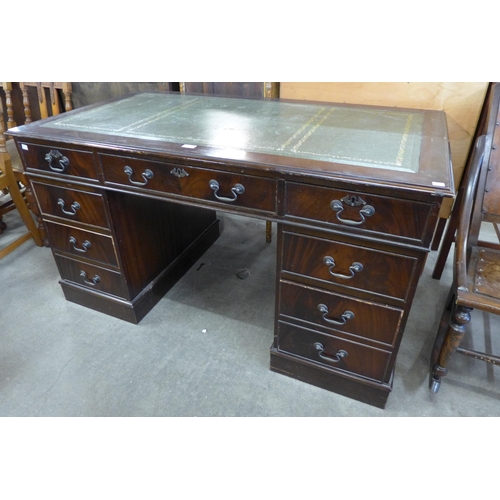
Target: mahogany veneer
128, 190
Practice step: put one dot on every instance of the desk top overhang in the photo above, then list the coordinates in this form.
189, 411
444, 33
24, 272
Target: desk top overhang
357, 143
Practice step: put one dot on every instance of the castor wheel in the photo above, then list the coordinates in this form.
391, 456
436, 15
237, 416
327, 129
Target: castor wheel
434, 384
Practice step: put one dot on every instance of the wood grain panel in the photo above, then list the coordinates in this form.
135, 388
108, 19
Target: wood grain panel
401, 219
360, 359
81, 243
60, 202
259, 193
151, 234
370, 320
95, 278
59, 161
383, 272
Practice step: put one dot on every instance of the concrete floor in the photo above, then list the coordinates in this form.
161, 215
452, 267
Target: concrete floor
204, 349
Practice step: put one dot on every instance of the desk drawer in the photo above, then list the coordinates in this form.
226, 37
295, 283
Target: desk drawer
349, 265
340, 313
360, 211
92, 277
334, 352
258, 193
71, 204
87, 244
59, 161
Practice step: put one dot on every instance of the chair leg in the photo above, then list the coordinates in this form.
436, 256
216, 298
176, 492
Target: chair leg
438, 233
443, 326
444, 250
269, 236
22, 208
447, 343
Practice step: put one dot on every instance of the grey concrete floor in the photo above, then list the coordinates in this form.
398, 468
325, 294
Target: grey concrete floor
204, 349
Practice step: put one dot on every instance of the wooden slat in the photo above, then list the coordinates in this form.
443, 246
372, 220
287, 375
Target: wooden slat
9, 248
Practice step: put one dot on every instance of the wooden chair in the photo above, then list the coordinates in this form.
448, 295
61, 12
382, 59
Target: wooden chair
39, 100
48, 98
7, 88
451, 228
10, 190
476, 280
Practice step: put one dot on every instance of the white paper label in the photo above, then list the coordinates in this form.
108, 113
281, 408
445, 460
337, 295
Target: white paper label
189, 146
439, 184
24, 146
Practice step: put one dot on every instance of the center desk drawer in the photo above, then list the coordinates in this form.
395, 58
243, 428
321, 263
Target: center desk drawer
337, 312
228, 188
405, 219
381, 272
71, 204
60, 161
90, 245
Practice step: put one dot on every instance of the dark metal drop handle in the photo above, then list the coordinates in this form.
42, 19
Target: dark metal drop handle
346, 315
340, 354
236, 190
146, 175
92, 281
56, 156
366, 211
85, 245
355, 267
74, 207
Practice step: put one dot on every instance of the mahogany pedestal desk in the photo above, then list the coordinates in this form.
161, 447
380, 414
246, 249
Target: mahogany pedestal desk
128, 191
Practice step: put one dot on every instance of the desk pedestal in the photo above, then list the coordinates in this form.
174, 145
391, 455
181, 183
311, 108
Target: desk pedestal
120, 253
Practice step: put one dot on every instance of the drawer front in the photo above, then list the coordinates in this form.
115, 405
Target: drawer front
71, 204
361, 211
348, 265
92, 277
340, 313
256, 192
59, 161
334, 352
94, 246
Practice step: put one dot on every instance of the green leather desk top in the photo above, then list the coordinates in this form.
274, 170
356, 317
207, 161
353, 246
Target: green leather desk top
369, 137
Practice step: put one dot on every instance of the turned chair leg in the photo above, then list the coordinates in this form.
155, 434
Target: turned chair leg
459, 319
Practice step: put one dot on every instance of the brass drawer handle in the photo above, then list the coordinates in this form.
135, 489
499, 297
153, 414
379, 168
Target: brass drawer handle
93, 281
237, 189
355, 267
352, 201
85, 245
340, 354
146, 175
74, 207
346, 315
57, 156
